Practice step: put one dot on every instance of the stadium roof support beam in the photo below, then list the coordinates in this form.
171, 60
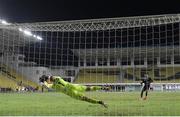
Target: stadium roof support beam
99, 24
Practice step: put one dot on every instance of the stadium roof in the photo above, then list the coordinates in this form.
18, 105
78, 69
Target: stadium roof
100, 24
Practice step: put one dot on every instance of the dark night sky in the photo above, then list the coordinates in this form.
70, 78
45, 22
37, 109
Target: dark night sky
48, 10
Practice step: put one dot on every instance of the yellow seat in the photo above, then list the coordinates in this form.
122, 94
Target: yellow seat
88, 77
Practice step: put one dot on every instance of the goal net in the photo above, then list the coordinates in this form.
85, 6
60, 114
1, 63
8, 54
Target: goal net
97, 51
117, 52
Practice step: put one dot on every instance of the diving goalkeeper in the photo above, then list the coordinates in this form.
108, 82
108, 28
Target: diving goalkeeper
73, 90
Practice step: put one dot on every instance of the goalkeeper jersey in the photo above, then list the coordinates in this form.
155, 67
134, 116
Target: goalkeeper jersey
67, 88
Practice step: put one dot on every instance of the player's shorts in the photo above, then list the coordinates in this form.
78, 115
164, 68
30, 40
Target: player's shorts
145, 88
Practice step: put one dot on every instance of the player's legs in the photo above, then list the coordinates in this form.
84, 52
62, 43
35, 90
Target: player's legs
142, 91
147, 88
93, 101
146, 93
95, 88
82, 88
80, 96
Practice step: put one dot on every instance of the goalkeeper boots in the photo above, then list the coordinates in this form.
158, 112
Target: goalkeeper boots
103, 104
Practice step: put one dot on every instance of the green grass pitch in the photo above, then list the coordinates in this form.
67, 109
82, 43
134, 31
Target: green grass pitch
120, 104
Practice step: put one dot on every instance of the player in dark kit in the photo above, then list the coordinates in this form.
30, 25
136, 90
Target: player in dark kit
146, 85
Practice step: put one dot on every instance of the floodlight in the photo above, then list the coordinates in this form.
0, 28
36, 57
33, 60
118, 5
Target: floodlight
20, 29
39, 38
28, 33
4, 22
34, 36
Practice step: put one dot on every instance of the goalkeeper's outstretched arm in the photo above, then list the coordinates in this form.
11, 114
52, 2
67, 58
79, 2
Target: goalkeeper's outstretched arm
58, 79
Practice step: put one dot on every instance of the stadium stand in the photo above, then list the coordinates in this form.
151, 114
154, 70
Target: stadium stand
7, 83
104, 76
13, 76
92, 77
168, 74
